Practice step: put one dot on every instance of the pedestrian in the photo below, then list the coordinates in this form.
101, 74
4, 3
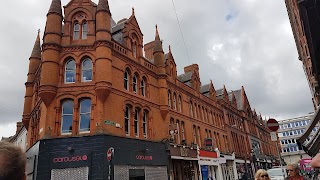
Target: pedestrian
293, 172
244, 176
261, 174
12, 162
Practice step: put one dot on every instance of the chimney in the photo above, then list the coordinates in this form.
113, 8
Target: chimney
190, 68
19, 126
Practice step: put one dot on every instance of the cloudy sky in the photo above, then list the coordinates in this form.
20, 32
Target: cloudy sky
234, 42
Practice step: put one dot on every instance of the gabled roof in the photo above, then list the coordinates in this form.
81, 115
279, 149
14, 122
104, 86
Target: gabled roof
185, 77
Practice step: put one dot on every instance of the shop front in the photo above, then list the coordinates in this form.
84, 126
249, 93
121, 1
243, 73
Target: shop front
210, 165
183, 163
97, 157
229, 171
243, 169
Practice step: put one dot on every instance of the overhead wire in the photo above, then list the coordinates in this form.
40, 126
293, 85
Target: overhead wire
184, 42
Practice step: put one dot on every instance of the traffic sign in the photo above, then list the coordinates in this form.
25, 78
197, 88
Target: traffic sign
273, 125
274, 136
110, 153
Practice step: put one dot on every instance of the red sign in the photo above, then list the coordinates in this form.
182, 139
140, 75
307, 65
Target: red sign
145, 158
70, 159
203, 153
273, 124
110, 154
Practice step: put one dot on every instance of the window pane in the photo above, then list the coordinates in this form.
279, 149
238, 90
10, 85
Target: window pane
85, 106
87, 75
70, 73
71, 65
87, 64
125, 78
76, 30
85, 122
84, 30
85, 109
67, 124
67, 108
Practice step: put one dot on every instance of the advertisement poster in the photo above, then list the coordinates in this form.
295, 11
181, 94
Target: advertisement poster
204, 172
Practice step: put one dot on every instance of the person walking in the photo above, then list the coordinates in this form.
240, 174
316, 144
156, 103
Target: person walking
293, 172
261, 174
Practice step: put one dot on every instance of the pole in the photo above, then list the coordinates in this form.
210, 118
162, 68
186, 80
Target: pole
280, 159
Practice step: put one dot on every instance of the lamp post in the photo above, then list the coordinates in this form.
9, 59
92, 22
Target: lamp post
253, 160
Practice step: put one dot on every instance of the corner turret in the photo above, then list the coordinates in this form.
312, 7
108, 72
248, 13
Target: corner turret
51, 53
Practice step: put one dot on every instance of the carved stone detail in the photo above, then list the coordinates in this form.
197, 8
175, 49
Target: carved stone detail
103, 90
47, 93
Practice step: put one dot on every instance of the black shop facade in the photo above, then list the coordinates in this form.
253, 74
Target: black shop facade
97, 157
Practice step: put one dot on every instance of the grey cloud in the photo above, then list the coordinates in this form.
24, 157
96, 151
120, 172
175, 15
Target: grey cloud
257, 48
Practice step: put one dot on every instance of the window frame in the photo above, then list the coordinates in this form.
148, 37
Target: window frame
145, 123
89, 69
73, 70
135, 84
127, 120
82, 113
126, 78
136, 122
63, 119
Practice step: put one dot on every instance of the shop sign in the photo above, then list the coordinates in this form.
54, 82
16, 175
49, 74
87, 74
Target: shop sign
184, 152
144, 158
70, 159
208, 142
67, 159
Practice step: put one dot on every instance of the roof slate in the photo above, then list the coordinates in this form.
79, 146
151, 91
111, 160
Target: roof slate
185, 77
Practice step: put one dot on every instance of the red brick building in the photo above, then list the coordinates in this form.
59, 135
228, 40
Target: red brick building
93, 76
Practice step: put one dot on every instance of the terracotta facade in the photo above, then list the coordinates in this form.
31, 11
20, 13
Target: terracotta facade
132, 90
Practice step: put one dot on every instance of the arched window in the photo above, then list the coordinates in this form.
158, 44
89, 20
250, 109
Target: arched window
70, 72
134, 49
174, 101
126, 80
183, 137
178, 126
143, 88
86, 70
135, 85
194, 134
145, 124
169, 99
76, 31
127, 120
84, 30
179, 104
136, 122
67, 117
85, 115
191, 110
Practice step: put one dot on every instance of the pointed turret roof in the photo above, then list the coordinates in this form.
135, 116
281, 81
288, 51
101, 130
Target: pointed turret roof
103, 5
36, 52
157, 42
55, 7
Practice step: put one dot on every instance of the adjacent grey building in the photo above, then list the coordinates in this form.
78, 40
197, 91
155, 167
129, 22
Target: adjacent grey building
289, 131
